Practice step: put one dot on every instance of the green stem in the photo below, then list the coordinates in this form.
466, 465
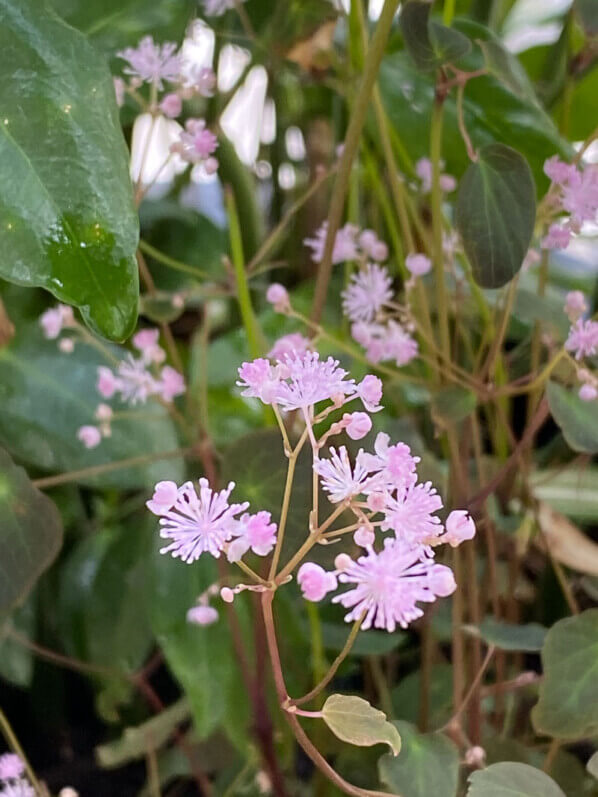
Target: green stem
243, 295
441, 295
286, 499
171, 262
14, 744
356, 123
448, 11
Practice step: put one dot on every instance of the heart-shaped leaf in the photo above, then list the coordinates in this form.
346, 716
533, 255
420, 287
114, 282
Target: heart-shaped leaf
354, 720
568, 703
67, 219
429, 43
512, 779
30, 534
577, 419
496, 211
428, 765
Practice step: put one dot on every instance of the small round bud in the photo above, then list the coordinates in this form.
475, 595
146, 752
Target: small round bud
364, 537
227, 594
418, 264
358, 424
278, 296
342, 562
588, 392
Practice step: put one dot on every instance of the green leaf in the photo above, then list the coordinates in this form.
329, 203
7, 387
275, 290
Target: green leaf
16, 661
453, 404
505, 66
112, 24
430, 44
573, 492
374, 643
577, 419
137, 741
46, 396
30, 534
406, 695
511, 779
496, 212
428, 765
508, 636
352, 719
568, 704
493, 112
67, 219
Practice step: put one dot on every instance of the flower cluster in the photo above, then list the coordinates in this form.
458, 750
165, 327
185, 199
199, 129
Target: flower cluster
573, 198
12, 777
56, 319
582, 342
381, 489
135, 380
424, 170
156, 65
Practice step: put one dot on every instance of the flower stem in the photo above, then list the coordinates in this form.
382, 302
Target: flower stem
351, 143
435, 156
171, 262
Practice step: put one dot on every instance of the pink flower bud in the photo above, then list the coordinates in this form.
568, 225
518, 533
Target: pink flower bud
107, 383
447, 183
342, 562
172, 384
364, 537
475, 757
459, 527
315, 582
575, 305
66, 345
418, 264
379, 251
11, 766
369, 391
227, 594
171, 105
90, 436
103, 412
442, 582
358, 424
164, 497
588, 392
202, 615
278, 296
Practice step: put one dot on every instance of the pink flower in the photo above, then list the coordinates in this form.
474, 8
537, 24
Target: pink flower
171, 105
152, 63
418, 264
11, 766
196, 143
575, 305
583, 339
558, 237
447, 183
90, 436
202, 615
372, 246
252, 531
364, 537
358, 424
315, 582
424, 170
369, 391
54, 320
369, 291
588, 392
18, 788
411, 513
204, 81
295, 343
345, 244
260, 379
386, 342
172, 383
164, 498
389, 584
580, 195
199, 523
395, 465
459, 527
308, 380
107, 383
134, 382
146, 341
558, 171
339, 479
278, 296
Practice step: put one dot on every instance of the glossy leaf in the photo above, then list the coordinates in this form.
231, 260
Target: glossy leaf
67, 219
428, 765
354, 720
46, 396
508, 636
429, 43
30, 534
496, 212
568, 704
577, 419
512, 779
